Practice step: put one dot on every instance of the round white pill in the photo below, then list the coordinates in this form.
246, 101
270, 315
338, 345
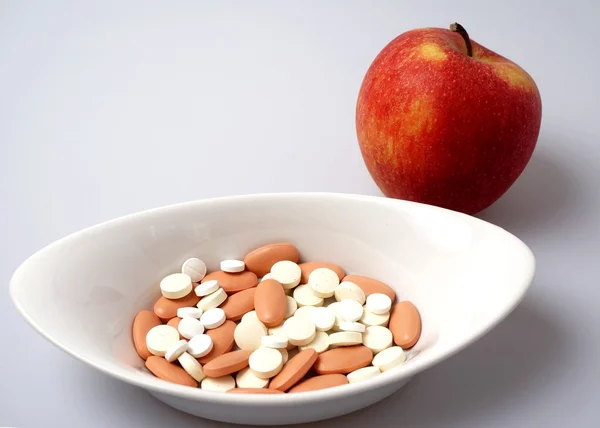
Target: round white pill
299, 330
349, 290
176, 286
305, 311
246, 379
194, 268
370, 319
233, 266
284, 355
379, 303
218, 384
189, 312
175, 350
350, 310
160, 338
323, 282
191, 366
320, 343
352, 326
291, 306
248, 334
365, 373
274, 341
250, 315
190, 327
279, 331
287, 273
389, 358
345, 338
305, 296
213, 318
213, 300
377, 338
334, 308
200, 345
323, 319
267, 276
207, 288
265, 362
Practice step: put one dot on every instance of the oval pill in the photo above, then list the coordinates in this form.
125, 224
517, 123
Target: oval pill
233, 266
270, 303
143, 322
294, 370
323, 282
320, 382
246, 379
371, 286
405, 324
253, 391
308, 267
363, 374
349, 290
379, 303
218, 384
176, 286
377, 338
213, 300
233, 282
343, 360
166, 309
239, 304
160, 338
191, 366
228, 363
263, 258
194, 268
170, 372
389, 358
265, 362
222, 339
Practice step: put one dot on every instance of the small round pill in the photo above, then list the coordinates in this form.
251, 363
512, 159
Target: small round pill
352, 326
218, 384
250, 315
191, 366
389, 358
305, 311
274, 341
291, 307
248, 334
379, 303
266, 362
305, 296
207, 288
345, 338
323, 282
267, 276
349, 290
190, 327
287, 273
284, 355
213, 318
323, 319
175, 350
334, 308
299, 330
365, 373
194, 268
370, 319
279, 331
320, 343
200, 345
246, 379
189, 312
213, 300
176, 286
377, 338
160, 338
233, 266
350, 310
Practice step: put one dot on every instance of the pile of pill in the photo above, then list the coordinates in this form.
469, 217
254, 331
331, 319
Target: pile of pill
301, 327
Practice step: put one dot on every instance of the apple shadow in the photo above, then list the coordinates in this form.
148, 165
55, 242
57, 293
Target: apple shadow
540, 197
524, 350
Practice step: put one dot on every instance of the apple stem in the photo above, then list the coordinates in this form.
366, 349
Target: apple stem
457, 28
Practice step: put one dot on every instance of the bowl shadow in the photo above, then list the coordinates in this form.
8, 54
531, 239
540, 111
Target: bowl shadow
527, 347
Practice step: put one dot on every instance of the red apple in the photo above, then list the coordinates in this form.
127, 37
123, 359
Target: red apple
445, 121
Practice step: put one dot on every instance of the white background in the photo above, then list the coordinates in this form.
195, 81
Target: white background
107, 108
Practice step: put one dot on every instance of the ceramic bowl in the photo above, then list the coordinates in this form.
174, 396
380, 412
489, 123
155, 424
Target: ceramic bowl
463, 274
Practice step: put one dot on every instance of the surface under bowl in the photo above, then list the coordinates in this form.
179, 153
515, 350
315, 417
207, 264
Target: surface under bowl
463, 274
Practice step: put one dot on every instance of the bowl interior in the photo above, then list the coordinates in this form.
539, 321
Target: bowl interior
463, 274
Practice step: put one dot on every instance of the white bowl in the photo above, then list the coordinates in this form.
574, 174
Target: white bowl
463, 274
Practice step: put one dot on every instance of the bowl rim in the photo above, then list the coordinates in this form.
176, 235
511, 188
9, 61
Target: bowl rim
156, 385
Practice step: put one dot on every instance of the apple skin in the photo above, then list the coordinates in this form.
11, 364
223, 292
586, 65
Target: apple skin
439, 127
